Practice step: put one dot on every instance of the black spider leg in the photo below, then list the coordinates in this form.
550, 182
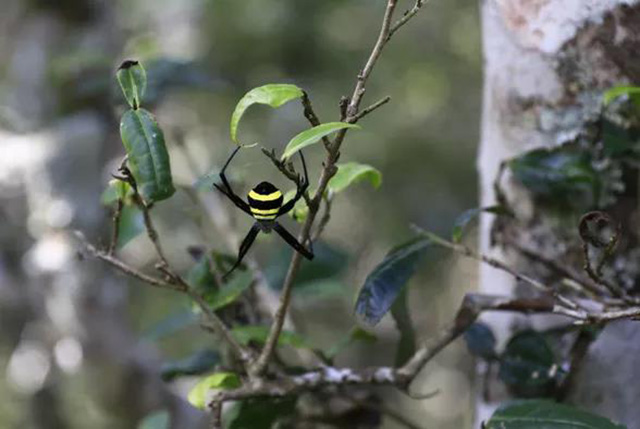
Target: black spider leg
244, 247
226, 188
302, 186
291, 241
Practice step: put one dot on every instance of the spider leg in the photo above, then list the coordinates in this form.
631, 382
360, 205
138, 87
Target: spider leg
291, 241
302, 186
228, 191
244, 247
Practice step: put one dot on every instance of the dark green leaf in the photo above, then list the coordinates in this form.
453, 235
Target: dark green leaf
156, 420
480, 340
564, 175
259, 334
313, 135
199, 363
200, 276
352, 172
261, 413
619, 91
131, 225
619, 142
463, 220
356, 334
148, 157
385, 282
133, 82
540, 414
404, 324
220, 380
328, 263
527, 364
274, 95
231, 291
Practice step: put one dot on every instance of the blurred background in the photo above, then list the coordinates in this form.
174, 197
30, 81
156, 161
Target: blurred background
81, 346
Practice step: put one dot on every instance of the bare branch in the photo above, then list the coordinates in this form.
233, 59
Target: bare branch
465, 251
364, 112
115, 229
333, 154
407, 16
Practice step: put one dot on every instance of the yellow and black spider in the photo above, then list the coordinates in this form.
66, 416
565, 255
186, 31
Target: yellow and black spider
265, 206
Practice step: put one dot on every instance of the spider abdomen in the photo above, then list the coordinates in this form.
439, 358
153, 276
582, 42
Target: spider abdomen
265, 201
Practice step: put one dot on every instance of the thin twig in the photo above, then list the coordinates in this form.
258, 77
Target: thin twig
333, 153
364, 112
286, 169
115, 229
324, 220
466, 251
407, 16
311, 116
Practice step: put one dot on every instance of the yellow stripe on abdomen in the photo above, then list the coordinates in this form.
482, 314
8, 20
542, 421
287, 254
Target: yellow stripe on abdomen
264, 212
269, 197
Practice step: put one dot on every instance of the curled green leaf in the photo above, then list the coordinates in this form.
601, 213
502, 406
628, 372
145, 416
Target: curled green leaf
148, 157
274, 95
353, 172
133, 81
313, 135
220, 380
618, 91
385, 283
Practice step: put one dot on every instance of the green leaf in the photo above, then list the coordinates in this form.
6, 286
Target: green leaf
131, 225
133, 82
352, 172
541, 414
404, 324
313, 135
156, 420
356, 334
229, 293
260, 413
199, 363
618, 91
220, 380
527, 364
259, 334
480, 340
564, 174
383, 285
274, 95
148, 157
463, 220
117, 190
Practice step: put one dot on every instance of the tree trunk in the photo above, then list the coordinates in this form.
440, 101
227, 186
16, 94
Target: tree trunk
546, 65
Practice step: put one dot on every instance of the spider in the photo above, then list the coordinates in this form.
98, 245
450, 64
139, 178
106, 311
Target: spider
265, 206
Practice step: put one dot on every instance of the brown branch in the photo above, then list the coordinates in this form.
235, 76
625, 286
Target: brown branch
364, 112
567, 303
324, 220
328, 376
311, 116
286, 169
115, 229
406, 17
333, 153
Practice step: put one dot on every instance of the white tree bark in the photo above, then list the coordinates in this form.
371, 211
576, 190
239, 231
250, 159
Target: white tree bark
546, 64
